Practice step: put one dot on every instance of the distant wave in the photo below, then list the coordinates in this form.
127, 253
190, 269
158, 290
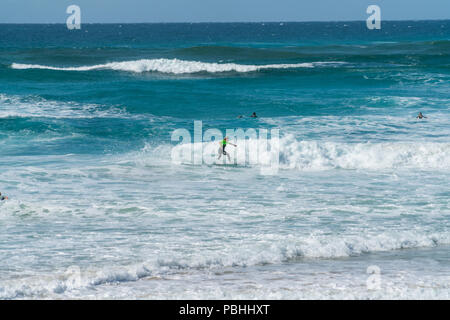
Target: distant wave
174, 66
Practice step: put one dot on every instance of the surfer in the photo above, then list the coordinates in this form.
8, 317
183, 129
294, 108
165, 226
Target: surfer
254, 115
223, 145
3, 197
420, 116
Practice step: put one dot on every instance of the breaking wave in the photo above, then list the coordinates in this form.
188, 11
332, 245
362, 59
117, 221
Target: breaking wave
283, 250
175, 66
323, 155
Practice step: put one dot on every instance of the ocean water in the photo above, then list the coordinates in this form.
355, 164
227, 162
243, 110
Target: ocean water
358, 209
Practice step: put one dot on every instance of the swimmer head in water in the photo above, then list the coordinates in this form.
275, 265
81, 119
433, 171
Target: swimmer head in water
420, 116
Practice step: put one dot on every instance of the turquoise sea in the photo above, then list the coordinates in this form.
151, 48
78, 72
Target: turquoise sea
359, 207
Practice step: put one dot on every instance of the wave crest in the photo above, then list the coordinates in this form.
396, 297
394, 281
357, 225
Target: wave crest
324, 155
66, 282
174, 66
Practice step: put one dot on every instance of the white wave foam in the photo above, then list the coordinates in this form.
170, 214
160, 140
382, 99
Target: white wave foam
326, 155
174, 66
323, 155
265, 249
32, 106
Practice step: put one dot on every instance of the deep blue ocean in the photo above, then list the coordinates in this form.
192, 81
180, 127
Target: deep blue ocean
98, 208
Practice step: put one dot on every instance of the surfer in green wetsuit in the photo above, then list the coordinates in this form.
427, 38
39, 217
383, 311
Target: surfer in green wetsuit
223, 145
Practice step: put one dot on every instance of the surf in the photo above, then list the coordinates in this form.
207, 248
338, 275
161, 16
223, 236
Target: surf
308, 155
173, 66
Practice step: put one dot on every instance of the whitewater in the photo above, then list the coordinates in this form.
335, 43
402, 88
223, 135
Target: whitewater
174, 66
105, 204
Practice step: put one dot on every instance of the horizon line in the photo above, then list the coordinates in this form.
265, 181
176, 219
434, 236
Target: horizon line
226, 22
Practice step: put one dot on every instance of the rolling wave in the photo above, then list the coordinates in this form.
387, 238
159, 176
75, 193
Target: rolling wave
324, 155
174, 66
284, 250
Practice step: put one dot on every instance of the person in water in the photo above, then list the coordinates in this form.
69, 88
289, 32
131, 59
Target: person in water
223, 145
420, 116
254, 115
3, 197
